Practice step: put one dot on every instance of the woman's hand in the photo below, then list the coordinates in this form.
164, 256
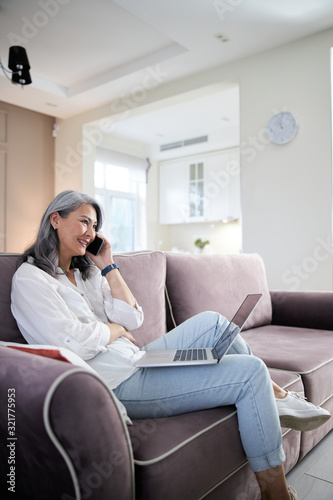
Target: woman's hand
117, 331
129, 336
105, 257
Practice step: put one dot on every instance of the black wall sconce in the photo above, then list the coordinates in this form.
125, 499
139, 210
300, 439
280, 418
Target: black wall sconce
19, 65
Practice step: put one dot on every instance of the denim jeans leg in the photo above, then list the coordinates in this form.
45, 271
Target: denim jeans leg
239, 379
239, 346
202, 330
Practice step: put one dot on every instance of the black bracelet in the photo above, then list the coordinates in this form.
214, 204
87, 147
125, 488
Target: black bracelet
109, 268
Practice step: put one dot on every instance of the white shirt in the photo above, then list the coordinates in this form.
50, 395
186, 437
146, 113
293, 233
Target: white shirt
54, 311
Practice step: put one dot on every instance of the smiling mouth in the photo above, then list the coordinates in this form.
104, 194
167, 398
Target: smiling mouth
84, 243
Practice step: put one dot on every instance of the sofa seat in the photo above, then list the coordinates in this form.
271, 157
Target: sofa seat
293, 349
163, 446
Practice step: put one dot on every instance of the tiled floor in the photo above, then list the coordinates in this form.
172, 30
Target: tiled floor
313, 476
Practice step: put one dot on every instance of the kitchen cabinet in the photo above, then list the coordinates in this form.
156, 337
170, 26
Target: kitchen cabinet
204, 188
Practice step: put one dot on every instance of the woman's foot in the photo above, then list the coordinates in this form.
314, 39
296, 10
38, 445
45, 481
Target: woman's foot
297, 413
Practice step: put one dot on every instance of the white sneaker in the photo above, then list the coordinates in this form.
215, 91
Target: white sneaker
297, 413
293, 494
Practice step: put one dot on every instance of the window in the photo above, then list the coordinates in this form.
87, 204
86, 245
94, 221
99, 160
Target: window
120, 188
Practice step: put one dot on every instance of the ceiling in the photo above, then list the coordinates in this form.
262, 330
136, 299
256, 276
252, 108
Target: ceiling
84, 54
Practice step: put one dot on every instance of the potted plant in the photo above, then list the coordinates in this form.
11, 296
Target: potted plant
199, 243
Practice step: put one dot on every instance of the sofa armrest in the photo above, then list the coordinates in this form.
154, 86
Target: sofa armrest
303, 309
61, 433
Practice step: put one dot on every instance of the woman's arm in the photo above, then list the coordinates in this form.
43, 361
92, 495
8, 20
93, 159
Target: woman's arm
120, 305
118, 287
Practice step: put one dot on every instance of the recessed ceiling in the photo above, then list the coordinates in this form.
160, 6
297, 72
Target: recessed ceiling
207, 114
84, 53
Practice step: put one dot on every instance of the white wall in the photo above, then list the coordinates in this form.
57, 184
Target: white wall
286, 190
287, 194
223, 238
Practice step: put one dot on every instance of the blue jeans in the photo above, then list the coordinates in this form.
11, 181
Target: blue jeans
240, 379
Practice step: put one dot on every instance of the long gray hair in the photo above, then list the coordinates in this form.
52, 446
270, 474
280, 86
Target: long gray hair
45, 250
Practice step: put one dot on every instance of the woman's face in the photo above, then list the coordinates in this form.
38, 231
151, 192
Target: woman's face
75, 231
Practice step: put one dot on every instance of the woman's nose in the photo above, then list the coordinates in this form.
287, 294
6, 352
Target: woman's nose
90, 231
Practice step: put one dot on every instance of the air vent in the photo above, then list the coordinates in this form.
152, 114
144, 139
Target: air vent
196, 140
171, 145
182, 144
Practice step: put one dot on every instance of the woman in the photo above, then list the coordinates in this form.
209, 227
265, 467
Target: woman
88, 308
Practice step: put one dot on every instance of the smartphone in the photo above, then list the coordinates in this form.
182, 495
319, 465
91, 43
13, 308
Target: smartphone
95, 246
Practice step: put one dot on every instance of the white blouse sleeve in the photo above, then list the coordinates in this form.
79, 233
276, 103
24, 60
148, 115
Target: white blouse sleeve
119, 311
44, 317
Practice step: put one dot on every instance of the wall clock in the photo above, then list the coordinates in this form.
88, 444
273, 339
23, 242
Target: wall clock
282, 127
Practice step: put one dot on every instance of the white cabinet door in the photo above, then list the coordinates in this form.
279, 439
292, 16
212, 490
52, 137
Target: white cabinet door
220, 188
174, 192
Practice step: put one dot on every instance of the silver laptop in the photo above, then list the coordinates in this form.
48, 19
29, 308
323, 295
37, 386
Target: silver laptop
207, 355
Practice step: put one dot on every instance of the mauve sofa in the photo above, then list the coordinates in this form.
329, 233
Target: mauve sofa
72, 440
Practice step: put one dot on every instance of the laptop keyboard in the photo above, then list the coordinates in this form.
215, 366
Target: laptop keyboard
190, 355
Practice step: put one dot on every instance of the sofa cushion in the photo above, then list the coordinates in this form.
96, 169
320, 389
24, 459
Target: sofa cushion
302, 350
197, 283
9, 328
144, 273
184, 456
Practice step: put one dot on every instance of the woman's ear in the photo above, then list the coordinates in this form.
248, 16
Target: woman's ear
54, 219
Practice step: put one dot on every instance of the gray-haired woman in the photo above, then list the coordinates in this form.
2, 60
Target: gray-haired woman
64, 295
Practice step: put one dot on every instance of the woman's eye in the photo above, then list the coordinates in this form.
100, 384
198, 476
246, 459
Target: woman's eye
85, 222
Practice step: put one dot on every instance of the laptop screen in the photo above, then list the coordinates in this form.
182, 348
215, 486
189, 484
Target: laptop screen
238, 321
245, 310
